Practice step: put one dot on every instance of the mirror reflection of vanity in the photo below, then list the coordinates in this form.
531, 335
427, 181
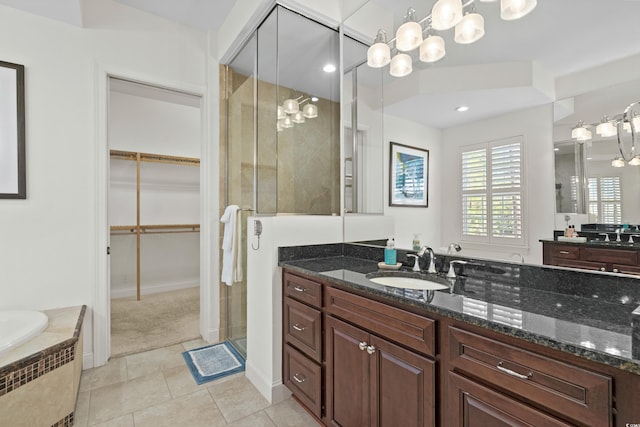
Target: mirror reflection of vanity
592, 87
588, 185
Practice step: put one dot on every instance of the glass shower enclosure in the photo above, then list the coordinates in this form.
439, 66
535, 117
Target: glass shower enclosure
281, 117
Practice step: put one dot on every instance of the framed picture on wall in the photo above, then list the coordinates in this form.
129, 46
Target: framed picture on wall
408, 176
12, 128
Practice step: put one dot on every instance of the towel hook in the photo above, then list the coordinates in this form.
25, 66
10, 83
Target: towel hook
257, 231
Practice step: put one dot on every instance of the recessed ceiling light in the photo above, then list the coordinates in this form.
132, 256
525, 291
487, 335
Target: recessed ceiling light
461, 108
329, 68
314, 98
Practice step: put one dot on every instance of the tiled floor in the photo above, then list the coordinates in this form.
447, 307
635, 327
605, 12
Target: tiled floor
155, 388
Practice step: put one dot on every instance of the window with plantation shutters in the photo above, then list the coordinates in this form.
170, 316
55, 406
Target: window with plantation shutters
492, 192
604, 199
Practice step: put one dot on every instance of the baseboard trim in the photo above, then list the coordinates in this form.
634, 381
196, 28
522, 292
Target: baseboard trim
87, 361
273, 392
153, 289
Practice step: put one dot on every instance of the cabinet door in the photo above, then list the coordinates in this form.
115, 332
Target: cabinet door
347, 381
470, 404
402, 386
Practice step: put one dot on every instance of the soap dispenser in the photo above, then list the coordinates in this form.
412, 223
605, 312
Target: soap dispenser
390, 252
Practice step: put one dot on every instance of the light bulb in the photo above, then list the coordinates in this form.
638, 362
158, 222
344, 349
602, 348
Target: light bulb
617, 162
287, 122
470, 29
605, 128
516, 9
298, 117
310, 111
635, 161
379, 54
409, 34
446, 14
401, 65
432, 49
290, 106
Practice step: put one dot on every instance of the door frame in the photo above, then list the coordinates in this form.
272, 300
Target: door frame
209, 156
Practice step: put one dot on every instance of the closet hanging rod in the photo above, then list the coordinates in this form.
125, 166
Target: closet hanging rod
156, 228
157, 158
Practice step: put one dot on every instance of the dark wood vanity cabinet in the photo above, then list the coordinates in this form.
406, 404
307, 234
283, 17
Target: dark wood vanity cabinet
591, 258
355, 361
371, 381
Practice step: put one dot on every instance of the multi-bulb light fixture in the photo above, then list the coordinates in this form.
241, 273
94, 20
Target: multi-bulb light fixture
289, 113
445, 14
619, 126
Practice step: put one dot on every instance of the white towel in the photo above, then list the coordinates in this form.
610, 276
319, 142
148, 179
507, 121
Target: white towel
231, 251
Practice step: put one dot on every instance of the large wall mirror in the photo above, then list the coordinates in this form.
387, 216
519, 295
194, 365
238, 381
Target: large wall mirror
596, 177
12, 132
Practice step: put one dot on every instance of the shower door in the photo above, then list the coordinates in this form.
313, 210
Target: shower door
239, 180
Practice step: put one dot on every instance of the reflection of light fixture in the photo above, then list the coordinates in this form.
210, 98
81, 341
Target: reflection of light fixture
401, 65
298, 117
580, 132
620, 125
461, 108
291, 106
606, 127
379, 54
515, 9
445, 14
617, 162
310, 111
470, 29
290, 112
432, 49
409, 34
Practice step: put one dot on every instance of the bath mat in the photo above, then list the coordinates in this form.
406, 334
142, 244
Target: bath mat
213, 362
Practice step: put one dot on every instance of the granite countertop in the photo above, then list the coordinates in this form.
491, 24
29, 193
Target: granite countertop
598, 243
587, 316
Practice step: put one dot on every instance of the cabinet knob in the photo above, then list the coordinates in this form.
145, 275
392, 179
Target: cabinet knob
602, 269
615, 270
298, 379
298, 328
371, 349
363, 345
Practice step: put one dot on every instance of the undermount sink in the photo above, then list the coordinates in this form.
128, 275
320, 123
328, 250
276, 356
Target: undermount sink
408, 283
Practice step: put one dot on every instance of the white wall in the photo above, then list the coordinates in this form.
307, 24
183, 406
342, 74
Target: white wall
425, 221
536, 127
48, 241
264, 292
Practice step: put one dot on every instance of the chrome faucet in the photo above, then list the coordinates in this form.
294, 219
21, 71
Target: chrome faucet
416, 265
432, 258
452, 272
454, 246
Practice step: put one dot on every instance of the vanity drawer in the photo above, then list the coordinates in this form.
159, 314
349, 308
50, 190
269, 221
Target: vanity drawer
403, 327
304, 378
302, 289
566, 390
610, 256
565, 251
303, 328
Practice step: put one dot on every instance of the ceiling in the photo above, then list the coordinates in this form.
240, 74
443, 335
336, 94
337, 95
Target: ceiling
559, 37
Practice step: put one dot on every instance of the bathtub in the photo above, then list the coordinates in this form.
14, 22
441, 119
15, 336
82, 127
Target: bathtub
19, 326
40, 378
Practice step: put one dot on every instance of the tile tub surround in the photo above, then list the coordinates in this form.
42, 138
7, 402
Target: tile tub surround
39, 380
584, 314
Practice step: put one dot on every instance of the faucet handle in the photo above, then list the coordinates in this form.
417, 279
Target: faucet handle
416, 265
452, 272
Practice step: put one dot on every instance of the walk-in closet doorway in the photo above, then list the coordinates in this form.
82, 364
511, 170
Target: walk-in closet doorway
154, 143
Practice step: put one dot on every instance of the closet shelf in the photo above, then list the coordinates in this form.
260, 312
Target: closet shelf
155, 228
156, 158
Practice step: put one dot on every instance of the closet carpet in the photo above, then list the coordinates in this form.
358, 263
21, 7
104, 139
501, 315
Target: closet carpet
157, 320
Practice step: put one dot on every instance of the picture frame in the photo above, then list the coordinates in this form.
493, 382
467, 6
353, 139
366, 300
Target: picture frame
13, 182
408, 176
